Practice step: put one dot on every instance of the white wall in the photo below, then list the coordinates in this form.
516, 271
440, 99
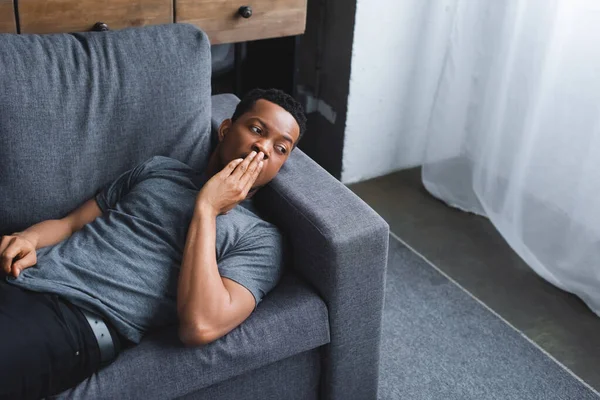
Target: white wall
398, 49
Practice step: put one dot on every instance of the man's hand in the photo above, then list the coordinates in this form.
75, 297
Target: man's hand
17, 252
230, 186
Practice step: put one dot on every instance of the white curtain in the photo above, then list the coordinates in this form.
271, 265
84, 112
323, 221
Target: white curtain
513, 128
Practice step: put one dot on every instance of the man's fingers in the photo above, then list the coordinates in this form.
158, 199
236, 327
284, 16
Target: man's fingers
25, 262
252, 177
253, 171
4, 242
251, 174
229, 168
243, 167
250, 171
7, 256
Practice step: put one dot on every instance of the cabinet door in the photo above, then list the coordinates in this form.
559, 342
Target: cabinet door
223, 22
7, 17
54, 16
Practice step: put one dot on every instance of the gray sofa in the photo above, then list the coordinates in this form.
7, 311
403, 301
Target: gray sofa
76, 110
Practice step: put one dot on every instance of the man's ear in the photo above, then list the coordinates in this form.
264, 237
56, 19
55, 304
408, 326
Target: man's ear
224, 128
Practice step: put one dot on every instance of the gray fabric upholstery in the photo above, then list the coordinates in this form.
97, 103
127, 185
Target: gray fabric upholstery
223, 106
293, 378
290, 320
340, 247
110, 99
78, 109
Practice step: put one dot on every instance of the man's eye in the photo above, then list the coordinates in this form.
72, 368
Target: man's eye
256, 129
282, 149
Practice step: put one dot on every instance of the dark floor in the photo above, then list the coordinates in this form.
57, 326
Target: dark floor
470, 251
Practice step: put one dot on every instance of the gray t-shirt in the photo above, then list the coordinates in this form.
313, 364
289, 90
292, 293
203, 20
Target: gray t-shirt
125, 264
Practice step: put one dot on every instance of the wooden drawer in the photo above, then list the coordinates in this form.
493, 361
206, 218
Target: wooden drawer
7, 17
54, 16
223, 24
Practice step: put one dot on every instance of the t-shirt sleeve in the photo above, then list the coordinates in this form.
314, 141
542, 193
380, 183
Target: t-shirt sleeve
255, 262
110, 194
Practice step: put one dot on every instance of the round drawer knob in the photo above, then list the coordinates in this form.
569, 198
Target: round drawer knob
100, 27
245, 11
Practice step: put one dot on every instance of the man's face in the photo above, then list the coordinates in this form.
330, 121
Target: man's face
267, 127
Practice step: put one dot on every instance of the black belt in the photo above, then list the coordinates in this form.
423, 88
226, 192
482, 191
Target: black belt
105, 342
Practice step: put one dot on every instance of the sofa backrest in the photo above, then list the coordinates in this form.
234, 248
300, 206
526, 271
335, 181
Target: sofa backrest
76, 110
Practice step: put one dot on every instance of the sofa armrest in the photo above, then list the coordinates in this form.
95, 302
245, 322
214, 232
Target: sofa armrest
340, 246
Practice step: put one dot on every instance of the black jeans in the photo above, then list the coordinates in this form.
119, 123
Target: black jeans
46, 344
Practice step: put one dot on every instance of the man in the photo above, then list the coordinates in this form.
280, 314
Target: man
162, 244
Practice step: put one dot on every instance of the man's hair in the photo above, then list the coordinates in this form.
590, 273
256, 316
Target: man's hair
276, 96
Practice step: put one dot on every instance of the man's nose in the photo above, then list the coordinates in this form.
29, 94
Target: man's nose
264, 147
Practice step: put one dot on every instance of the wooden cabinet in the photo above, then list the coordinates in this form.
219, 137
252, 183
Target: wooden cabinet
7, 17
53, 16
225, 21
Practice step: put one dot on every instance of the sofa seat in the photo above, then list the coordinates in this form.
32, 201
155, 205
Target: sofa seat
290, 320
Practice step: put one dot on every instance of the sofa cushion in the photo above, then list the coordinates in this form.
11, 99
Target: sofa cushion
78, 109
290, 320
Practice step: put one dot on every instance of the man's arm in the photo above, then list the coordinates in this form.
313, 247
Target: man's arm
17, 251
53, 231
208, 305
